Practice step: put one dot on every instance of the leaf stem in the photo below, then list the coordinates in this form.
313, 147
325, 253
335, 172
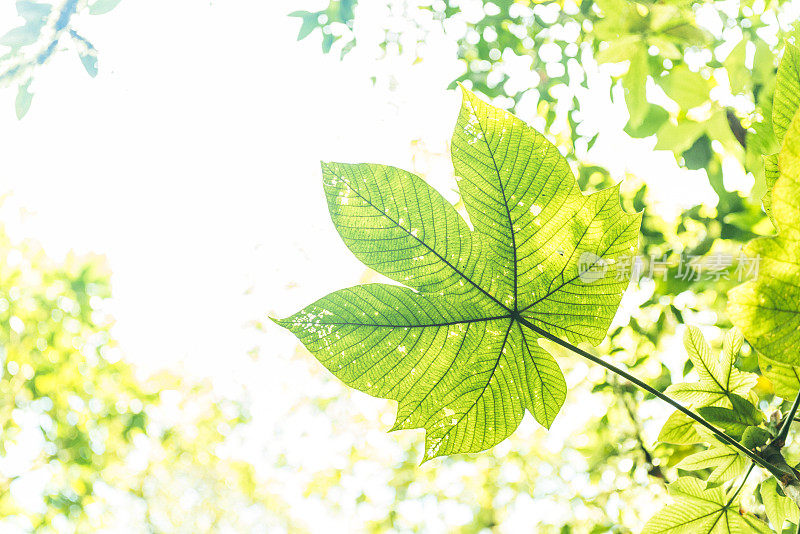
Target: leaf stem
739, 489
783, 433
669, 400
652, 469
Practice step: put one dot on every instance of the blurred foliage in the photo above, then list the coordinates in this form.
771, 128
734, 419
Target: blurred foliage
85, 439
44, 29
697, 75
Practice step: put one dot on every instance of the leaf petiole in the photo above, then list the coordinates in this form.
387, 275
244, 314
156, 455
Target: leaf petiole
669, 400
783, 432
739, 489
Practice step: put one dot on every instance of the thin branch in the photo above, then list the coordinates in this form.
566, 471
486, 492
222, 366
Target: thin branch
739, 489
669, 400
783, 433
736, 127
652, 469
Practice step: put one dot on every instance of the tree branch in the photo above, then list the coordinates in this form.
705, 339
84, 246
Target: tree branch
669, 400
652, 469
739, 489
783, 432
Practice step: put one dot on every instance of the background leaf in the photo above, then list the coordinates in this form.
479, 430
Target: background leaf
767, 309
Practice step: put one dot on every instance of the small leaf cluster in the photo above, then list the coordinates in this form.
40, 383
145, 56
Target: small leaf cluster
46, 25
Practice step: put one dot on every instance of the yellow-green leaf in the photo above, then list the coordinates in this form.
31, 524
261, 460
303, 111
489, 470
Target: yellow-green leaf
787, 90
687, 88
767, 309
698, 510
718, 377
679, 430
785, 378
779, 508
457, 344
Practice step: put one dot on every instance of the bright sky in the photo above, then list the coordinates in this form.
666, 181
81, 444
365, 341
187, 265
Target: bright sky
191, 161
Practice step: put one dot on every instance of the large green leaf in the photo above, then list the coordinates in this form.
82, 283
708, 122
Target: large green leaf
698, 510
734, 421
456, 346
767, 309
784, 106
787, 90
720, 395
785, 378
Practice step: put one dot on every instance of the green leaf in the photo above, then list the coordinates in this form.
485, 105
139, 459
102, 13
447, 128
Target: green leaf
635, 84
785, 378
738, 74
654, 119
733, 421
787, 91
767, 308
771, 173
719, 379
24, 98
778, 507
679, 430
755, 437
622, 49
726, 461
688, 89
666, 48
100, 7
310, 23
678, 137
763, 63
699, 154
456, 347
698, 510
327, 41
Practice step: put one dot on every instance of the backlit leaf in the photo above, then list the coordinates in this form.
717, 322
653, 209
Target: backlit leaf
767, 309
785, 378
698, 510
787, 90
734, 421
726, 461
778, 507
718, 377
679, 430
457, 346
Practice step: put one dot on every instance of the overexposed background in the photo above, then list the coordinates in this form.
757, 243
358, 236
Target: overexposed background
192, 163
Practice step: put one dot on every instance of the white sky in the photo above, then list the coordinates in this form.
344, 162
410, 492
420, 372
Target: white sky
191, 162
